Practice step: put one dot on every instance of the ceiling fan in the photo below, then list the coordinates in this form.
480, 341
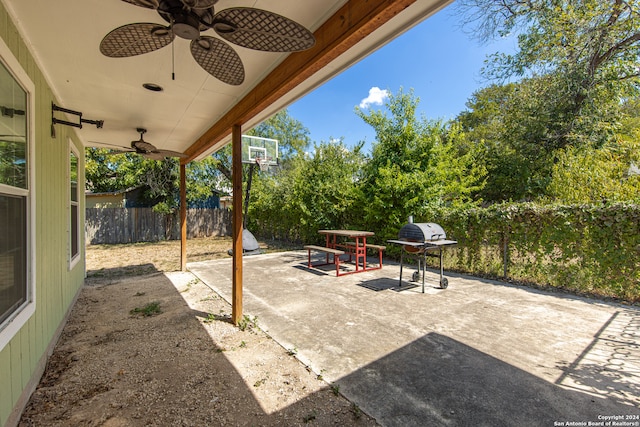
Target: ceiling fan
146, 149
245, 26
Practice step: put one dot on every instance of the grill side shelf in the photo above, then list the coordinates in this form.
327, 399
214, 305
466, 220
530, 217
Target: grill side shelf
426, 245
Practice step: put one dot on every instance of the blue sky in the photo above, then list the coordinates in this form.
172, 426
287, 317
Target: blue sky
440, 62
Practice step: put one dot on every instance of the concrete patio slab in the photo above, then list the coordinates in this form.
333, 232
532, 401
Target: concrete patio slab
480, 353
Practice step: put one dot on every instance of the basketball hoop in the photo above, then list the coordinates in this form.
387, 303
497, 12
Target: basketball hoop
263, 163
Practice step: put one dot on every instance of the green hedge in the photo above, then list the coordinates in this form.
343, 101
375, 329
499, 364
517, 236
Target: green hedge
587, 249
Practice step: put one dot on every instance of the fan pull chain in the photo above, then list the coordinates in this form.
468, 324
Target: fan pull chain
173, 55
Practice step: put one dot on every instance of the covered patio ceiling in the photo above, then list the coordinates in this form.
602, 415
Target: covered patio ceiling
194, 112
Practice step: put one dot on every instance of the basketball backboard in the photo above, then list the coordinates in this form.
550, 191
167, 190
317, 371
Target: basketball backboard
265, 149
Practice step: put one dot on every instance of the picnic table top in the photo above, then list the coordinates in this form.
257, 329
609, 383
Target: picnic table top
347, 233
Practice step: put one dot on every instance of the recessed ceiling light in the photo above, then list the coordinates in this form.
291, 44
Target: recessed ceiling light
152, 87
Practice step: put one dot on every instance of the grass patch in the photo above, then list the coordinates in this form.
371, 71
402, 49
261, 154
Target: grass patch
217, 318
247, 323
335, 389
262, 381
190, 284
150, 309
356, 411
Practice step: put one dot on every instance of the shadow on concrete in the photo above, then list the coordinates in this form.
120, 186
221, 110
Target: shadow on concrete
384, 283
438, 381
321, 266
610, 365
315, 270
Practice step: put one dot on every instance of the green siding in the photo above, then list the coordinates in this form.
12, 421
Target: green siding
5, 389
56, 286
16, 371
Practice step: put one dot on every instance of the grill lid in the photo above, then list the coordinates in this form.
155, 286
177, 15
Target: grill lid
422, 232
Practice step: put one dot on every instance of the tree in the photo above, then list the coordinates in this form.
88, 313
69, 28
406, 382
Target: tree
586, 50
204, 179
591, 175
292, 136
311, 192
161, 177
415, 164
106, 172
12, 165
606, 174
506, 124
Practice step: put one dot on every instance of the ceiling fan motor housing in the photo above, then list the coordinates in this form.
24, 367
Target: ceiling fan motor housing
186, 24
187, 18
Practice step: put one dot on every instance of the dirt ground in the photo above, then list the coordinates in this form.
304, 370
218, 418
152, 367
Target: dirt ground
147, 345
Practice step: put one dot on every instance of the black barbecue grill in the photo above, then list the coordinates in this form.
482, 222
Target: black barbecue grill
421, 240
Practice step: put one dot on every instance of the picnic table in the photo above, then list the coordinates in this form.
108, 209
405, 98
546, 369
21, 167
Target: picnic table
346, 242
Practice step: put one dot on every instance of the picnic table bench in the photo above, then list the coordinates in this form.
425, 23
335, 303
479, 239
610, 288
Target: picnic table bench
335, 252
379, 248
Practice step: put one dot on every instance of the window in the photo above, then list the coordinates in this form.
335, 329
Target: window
17, 296
74, 209
13, 278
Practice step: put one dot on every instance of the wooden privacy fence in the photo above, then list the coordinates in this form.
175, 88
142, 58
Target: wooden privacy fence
130, 225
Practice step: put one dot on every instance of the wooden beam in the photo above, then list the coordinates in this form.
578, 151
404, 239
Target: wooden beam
348, 26
236, 294
183, 217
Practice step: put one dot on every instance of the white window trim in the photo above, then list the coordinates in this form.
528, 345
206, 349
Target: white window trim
14, 324
73, 260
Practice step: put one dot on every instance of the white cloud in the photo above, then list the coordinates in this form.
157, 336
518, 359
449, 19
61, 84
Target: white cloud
376, 96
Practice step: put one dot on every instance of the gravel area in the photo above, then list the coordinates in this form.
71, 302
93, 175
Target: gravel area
147, 345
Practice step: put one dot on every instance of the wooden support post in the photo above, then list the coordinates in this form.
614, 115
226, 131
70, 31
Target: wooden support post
236, 298
183, 217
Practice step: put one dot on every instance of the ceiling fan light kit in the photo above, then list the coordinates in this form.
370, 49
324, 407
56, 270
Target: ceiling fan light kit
251, 28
